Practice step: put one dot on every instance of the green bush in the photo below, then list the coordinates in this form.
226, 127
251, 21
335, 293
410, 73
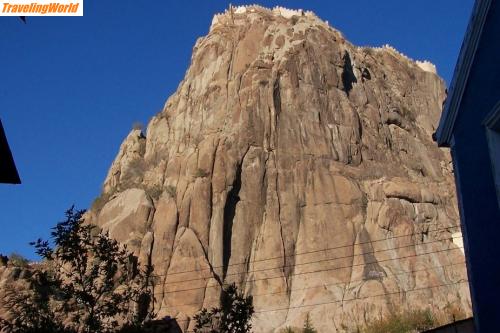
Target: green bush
154, 192
137, 125
368, 50
135, 242
100, 201
308, 326
88, 283
200, 173
407, 113
233, 316
404, 322
171, 190
18, 260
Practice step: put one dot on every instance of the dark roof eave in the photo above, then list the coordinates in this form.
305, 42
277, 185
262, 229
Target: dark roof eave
450, 325
460, 75
8, 170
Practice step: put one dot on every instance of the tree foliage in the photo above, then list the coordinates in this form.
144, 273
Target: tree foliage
233, 315
18, 260
403, 322
31, 309
308, 326
89, 283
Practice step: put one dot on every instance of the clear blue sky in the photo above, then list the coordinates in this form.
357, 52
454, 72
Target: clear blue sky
71, 87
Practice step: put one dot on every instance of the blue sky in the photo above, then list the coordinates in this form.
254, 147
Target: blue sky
71, 87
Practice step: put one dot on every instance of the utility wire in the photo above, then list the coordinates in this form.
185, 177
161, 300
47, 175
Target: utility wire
365, 297
300, 273
306, 252
336, 283
303, 263
350, 299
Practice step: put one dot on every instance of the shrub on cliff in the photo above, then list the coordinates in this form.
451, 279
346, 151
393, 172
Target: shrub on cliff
89, 283
18, 260
30, 308
308, 326
404, 322
233, 315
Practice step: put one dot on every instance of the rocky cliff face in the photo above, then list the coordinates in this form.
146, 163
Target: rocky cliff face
300, 167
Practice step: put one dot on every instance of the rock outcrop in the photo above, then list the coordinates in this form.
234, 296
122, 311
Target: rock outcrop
298, 166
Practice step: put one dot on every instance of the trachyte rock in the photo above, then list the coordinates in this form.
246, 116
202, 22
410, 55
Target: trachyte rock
300, 167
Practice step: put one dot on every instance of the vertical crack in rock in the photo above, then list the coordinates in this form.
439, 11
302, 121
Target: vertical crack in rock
284, 268
348, 77
229, 212
168, 262
150, 281
277, 96
228, 79
212, 270
276, 101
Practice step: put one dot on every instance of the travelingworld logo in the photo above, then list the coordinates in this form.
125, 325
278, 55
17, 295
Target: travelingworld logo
41, 8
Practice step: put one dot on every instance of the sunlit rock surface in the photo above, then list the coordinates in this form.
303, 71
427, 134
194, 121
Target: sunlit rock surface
300, 167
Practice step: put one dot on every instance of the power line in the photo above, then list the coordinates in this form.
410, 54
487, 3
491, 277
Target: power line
307, 252
360, 298
298, 264
350, 299
301, 273
337, 283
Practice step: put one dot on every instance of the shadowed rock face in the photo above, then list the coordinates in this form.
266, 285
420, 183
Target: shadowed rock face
300, 167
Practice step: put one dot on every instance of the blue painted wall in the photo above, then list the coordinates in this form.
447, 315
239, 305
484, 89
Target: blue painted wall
479, 206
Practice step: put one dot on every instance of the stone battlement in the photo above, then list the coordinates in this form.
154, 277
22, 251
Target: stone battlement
424, 64
276, 11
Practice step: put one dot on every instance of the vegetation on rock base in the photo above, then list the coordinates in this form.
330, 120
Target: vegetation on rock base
308, 326
18, 260
233, 316
89, 283
405, 322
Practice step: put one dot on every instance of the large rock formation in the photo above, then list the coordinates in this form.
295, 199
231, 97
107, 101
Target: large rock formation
300, 167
